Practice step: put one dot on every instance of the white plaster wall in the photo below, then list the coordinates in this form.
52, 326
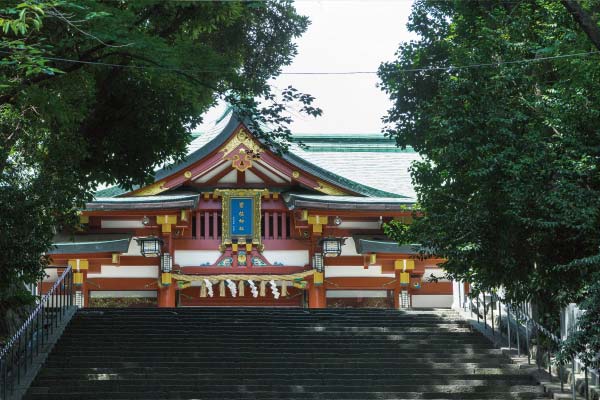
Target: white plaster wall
359, 225
349, 249
351, 271
57, 299
351, 294
292, 258
437, 272
116, 224
195, 258
134, 249
230, 177
51, 275
271, 173
252, 178
207, 176
129, 271
432, 300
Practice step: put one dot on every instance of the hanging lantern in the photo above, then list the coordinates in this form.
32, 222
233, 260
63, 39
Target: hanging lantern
150, 246
318, 262
166, 263
332, 247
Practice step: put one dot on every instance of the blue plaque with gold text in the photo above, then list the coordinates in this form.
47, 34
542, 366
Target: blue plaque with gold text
241, 216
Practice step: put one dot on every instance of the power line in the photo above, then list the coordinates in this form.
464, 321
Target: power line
424, 69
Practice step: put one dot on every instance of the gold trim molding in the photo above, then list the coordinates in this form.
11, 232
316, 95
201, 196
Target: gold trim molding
226, 196
241, 137
151, 190
326, 188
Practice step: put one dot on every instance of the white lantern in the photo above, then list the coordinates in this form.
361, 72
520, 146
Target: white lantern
332, 247
150, 246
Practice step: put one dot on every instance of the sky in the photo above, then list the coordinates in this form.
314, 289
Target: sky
344, 35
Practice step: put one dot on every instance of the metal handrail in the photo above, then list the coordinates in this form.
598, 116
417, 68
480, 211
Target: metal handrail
522, 321
17, 356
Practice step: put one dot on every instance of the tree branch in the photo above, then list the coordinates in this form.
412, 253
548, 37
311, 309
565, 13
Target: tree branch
584, 20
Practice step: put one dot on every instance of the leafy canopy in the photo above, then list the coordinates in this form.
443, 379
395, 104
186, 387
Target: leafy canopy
509, 186
96, 92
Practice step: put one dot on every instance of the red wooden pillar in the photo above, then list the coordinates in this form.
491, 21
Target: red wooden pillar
316, 296
85, 291
166, 296
167, 293
397, 290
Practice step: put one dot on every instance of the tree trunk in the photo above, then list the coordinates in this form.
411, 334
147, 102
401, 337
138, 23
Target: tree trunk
584, 20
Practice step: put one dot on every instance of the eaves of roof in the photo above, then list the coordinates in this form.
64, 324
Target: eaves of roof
355, 143
325, 202
162, 202
366, 246
108, 243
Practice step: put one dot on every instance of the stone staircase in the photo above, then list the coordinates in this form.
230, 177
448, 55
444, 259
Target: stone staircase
267, 353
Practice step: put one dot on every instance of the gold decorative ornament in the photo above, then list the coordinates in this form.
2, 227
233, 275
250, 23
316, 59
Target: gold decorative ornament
187, 174
326, 188
241, 138
227, 196
151, 190
296, 174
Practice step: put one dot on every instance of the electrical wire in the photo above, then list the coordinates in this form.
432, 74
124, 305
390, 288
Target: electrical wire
424, 69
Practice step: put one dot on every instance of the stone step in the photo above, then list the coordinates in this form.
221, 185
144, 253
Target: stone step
262, 367
316, 387
273, 354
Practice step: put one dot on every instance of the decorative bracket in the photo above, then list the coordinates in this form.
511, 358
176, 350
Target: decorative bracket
317, 222
166, 221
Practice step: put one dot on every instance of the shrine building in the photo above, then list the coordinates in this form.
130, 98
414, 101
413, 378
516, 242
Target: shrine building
236, 224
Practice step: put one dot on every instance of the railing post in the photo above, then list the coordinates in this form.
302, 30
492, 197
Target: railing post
4, 377
527, 341
471, 305
587, 392
573, 389
517, 316
484, 312
508, 326
493, 305
537, 341
500, 318
550, 360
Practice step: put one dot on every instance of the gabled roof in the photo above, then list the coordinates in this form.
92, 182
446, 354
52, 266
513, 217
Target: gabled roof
357, 175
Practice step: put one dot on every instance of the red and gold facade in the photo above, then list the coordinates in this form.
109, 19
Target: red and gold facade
241, 226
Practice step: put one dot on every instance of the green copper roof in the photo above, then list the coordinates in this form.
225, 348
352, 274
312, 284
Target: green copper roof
366, 246
369, 165
103, 243
296, 200
168, 201
344, 143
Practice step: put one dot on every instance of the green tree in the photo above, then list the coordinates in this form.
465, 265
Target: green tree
509, 186
96, 92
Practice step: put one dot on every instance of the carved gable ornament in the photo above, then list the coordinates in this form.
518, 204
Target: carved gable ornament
241, 150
